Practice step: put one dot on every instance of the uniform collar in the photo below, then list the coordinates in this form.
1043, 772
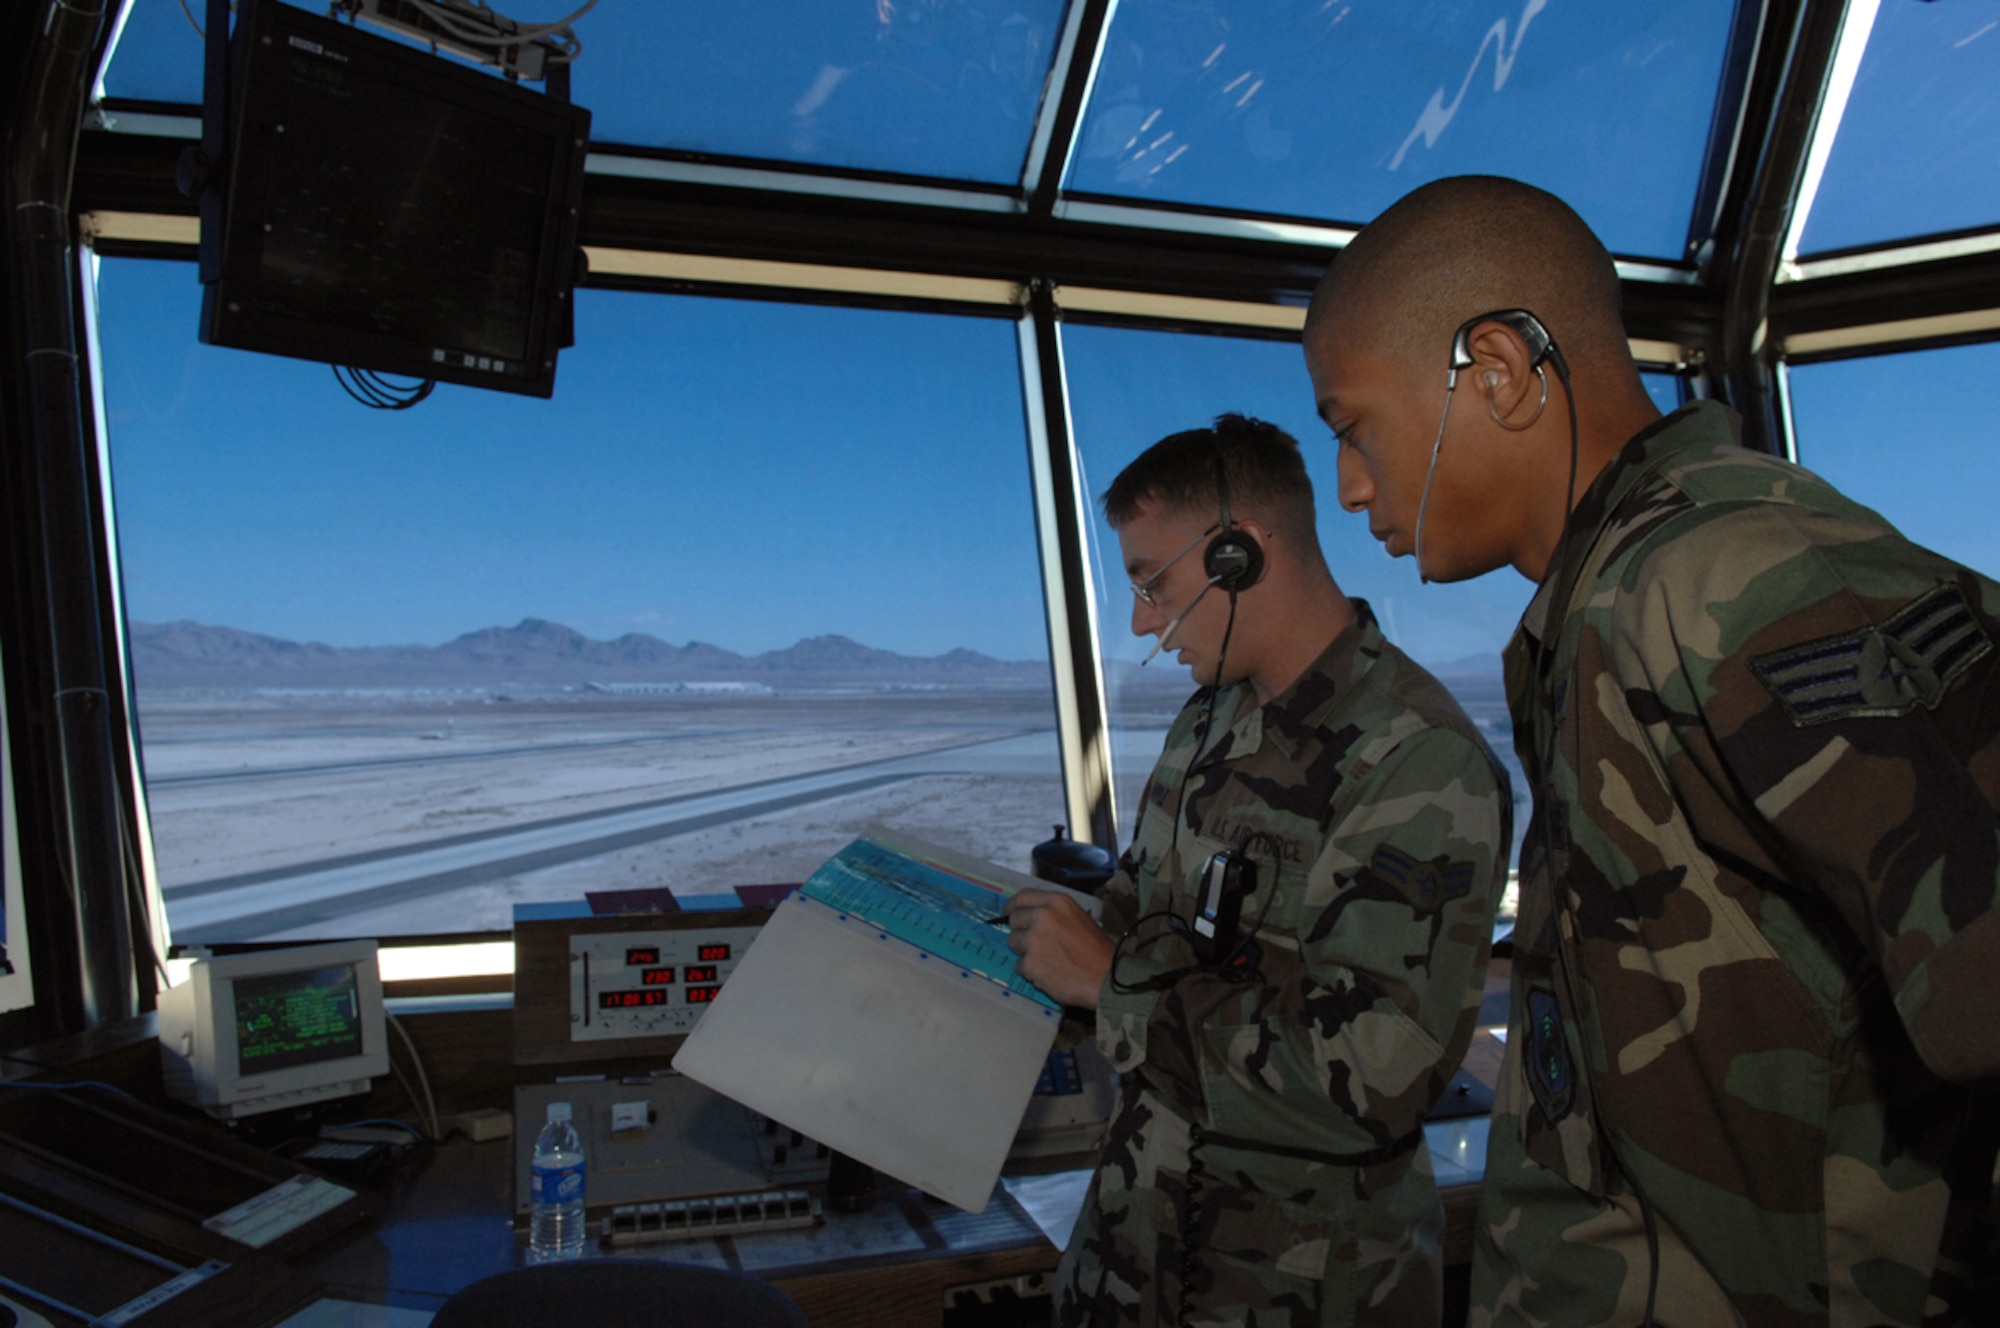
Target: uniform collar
1301, 706
1697, 425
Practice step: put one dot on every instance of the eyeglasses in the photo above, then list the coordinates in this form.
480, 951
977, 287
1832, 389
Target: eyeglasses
1144, 589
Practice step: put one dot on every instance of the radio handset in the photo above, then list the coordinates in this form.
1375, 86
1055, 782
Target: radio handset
1225, 880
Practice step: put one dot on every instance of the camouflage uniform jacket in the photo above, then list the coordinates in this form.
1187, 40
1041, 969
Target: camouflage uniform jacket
1757, 951
1265, 1164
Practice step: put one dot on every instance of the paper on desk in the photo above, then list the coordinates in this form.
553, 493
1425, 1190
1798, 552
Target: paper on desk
879, 1013
332, 1313
1054, 1201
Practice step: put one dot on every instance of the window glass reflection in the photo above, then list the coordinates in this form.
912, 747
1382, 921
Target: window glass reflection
1334, 110
1918, 151
759, 576
918, 87
944, 88
159, 52
1128, 389
1911, 436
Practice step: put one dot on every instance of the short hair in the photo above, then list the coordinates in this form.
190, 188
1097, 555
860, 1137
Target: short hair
1467, 245
1182, 473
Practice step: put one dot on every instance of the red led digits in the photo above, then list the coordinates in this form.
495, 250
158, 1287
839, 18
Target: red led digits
629, 1000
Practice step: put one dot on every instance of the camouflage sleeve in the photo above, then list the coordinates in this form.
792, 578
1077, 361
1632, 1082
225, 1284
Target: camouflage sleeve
1840, 679
1118, 900
1367, 994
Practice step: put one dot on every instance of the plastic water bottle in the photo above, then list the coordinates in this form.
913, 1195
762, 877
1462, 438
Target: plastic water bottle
555, 1227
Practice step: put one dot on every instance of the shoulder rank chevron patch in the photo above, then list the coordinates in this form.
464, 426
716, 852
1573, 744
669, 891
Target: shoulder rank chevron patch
1887, 669
1427, 885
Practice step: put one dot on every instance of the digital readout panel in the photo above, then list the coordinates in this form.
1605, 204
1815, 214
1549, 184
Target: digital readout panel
648, 983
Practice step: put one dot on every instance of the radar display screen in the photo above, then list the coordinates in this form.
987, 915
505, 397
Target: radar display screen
292, 1019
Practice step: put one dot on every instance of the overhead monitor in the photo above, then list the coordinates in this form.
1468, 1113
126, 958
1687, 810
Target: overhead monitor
371, 205
251, 1033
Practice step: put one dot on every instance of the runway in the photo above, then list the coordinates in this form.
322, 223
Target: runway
197, 778
261, 904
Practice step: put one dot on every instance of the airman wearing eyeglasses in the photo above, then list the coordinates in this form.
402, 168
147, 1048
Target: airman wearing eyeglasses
1295, 944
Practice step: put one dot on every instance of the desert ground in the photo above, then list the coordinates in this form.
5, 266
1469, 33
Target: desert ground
292, 815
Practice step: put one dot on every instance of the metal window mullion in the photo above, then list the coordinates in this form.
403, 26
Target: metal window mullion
1748, 275
1068, 597
1788, 432
1071, 76
117, 651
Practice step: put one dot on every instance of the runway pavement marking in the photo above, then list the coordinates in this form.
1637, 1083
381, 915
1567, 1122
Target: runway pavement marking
193, 889
258, 904
327, 908
196, 778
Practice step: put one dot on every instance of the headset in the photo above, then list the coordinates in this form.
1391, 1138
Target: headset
1233, 560
1542, 349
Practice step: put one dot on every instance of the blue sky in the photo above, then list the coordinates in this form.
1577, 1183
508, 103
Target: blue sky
751, 473
741, 473
1910, 435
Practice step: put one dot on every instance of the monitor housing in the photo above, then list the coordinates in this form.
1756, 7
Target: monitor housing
250, 1033
370, 205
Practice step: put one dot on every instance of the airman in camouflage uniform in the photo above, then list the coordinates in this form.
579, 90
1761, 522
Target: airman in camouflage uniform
1755, 976
1265, 1165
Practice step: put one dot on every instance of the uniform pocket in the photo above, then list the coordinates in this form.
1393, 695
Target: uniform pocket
1259, 1258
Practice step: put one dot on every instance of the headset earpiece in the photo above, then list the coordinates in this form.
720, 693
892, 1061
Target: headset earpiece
1233, 560
1491, 378
1541, 346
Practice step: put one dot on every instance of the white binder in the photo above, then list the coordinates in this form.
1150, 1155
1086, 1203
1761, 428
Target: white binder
884, 1039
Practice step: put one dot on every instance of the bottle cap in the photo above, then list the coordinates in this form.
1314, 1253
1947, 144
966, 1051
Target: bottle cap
559, 1111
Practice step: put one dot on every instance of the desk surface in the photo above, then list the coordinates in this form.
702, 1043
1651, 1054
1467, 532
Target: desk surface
452, 1224
897, 1264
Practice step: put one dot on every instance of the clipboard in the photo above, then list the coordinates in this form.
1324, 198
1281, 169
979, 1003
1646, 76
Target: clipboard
879, 1013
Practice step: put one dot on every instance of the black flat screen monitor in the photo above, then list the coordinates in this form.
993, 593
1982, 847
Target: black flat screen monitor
381, 208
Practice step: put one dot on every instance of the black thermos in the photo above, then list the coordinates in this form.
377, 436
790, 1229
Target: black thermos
1080, 866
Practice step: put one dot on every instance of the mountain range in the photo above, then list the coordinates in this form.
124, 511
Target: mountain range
536, 652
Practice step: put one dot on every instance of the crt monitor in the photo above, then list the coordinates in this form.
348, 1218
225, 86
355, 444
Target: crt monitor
249, 1033
371, 205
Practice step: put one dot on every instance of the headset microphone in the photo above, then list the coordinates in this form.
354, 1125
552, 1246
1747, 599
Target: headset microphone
1174, 625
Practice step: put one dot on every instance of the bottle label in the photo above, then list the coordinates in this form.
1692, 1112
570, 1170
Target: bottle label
556, 1184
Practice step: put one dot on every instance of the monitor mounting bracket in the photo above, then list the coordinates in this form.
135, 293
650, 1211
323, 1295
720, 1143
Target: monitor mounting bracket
470, 30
